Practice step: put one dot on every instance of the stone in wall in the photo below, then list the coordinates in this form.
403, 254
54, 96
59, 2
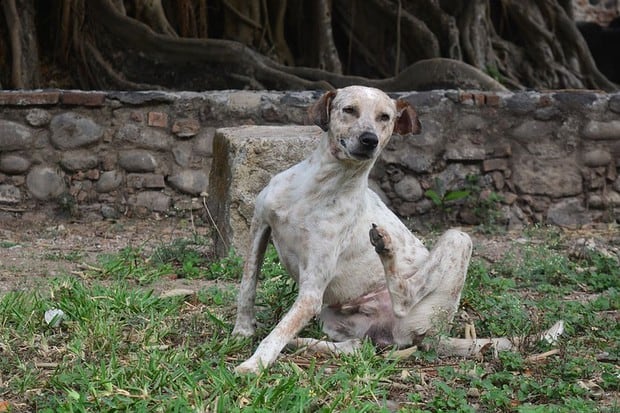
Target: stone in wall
14, 164
464, 151
605, 200
568, 213
533, 131
151, 181
38, 117
80, 160
71, 130
45, 183
454, 177
185, 128
145, 137
182, 153
554, 177
109, 181
152, 201
202, 144
597, 157
10, 194
191, 182
14, 136
136, 160
409, 189
597, 130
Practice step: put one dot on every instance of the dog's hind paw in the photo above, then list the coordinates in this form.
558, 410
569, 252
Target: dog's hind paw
380, 239
244, 330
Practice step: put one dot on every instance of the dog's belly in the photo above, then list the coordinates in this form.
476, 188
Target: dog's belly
354, 278
353, 275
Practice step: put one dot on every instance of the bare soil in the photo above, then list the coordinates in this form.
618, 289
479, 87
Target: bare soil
35, 250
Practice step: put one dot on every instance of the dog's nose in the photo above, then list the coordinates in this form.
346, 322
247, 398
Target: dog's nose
369, 140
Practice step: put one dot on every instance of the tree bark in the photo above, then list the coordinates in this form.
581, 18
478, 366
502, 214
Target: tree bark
239, 44
19, 16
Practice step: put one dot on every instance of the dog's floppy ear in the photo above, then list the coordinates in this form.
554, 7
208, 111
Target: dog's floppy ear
406, 119
319, 112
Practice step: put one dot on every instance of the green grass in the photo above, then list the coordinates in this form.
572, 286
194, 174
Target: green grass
122, 348
8, 244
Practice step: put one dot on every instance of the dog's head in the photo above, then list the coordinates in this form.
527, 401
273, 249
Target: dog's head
360, 121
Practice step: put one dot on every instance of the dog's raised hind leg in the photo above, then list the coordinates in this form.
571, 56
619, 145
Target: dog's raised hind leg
435, 288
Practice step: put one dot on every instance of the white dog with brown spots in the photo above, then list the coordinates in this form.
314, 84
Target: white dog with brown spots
318, 214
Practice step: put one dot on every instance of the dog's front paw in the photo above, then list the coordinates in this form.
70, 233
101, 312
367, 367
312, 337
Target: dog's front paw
250, 366
380, 239
244, 330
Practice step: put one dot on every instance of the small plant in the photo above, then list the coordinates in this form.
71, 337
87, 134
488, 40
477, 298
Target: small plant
130, 264
71, 256
445, 199
67, 205
184, 255
494, 72
482, 206
227, 268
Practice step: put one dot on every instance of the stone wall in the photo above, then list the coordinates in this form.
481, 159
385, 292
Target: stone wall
537, 157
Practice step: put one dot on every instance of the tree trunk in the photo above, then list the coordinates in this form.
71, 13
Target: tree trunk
19, 16
213, 44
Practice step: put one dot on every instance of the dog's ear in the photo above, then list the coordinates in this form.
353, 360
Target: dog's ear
406, 119
319, 112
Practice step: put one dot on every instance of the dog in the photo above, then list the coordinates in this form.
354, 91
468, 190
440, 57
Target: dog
319, 215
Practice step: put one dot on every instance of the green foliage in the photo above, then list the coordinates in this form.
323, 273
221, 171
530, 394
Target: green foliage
182, 254
443, 198
130, 264
228, 268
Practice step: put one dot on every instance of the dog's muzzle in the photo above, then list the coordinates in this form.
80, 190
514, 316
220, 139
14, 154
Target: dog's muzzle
365, 148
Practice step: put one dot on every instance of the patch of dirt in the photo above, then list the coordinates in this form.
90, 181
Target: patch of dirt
35, 249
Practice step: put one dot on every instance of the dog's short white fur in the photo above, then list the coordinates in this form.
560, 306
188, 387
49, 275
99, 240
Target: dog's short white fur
319, 213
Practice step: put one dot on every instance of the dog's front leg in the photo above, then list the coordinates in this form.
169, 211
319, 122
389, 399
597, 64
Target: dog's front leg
245, 325
306, 306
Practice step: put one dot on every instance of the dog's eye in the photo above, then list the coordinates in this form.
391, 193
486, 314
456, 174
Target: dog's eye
384, 117
349, 110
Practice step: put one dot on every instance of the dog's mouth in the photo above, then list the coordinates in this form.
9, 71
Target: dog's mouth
359, 153
362, 156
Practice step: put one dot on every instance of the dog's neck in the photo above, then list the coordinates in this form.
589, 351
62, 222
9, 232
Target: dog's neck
342, 175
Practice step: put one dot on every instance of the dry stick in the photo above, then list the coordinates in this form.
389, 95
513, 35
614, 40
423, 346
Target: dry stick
542, 356
9, 209
219, 233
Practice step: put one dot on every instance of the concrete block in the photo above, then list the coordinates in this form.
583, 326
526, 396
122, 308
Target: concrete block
244, 160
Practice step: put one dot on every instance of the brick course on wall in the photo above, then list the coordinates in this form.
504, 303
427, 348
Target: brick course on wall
548, 156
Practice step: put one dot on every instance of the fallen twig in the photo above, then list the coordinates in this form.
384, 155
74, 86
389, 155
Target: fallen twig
542, 356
